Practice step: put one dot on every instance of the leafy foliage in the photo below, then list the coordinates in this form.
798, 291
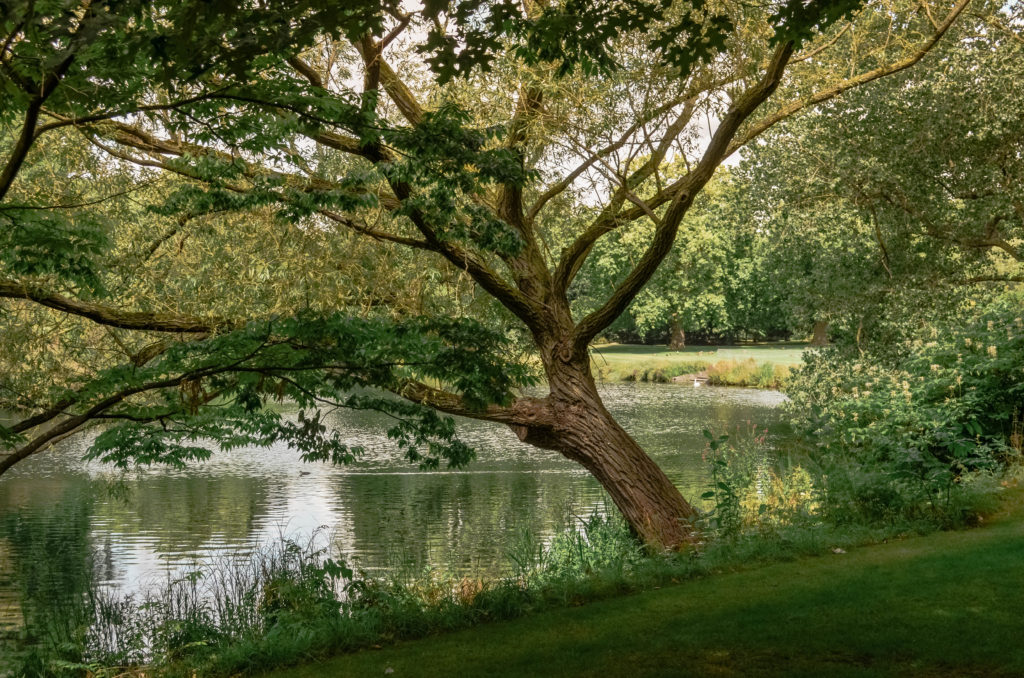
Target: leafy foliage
582, 33
267, 143
39, 243
716, 284
950, 407
870, 204
309, 361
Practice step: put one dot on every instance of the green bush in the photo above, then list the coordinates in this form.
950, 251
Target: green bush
905, 438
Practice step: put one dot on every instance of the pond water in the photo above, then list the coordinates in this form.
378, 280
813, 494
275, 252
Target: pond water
62, 514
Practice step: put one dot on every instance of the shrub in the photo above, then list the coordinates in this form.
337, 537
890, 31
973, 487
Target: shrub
904, 438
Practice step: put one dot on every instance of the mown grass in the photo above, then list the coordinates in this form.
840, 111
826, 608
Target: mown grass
947, 604
763, 366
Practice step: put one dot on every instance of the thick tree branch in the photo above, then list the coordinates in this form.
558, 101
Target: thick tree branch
523, 411
396, 89
574, 256
21, 146
87, 29
994, 279
338, 142
400, 94
511, 298
307, 71
403, 23
789, 109
528, 266
510, 202
143, 356
112, 317
74, 423
101, 116
665, 232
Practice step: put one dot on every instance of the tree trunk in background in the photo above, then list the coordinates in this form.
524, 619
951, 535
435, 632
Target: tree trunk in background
819, 336
676, 335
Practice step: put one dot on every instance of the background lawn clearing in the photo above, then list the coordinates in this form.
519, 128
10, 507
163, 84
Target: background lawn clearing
738, 365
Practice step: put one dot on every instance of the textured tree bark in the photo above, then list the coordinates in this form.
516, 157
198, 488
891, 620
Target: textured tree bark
676, 335
654, 508
577, 424
819, 336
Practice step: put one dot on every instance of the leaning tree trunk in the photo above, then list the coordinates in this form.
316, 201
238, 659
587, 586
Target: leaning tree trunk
676, 335
579, 426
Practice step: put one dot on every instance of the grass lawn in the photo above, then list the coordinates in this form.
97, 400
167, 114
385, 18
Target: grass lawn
949, 604
635, 362
619, 354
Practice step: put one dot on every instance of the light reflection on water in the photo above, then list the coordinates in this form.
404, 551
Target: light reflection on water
382, 512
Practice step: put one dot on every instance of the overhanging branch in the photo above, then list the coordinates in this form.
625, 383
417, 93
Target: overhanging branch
523, 411
793, 107
112, 317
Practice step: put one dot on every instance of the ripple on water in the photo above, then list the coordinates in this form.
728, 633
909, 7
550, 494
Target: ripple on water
380, 511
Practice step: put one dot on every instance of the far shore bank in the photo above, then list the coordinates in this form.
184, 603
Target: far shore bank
763, 366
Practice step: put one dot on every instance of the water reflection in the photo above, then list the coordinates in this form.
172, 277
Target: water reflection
123, 530
47, 562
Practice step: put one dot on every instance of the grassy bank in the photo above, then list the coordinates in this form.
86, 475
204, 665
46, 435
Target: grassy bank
763, 366
947, 604
290, 602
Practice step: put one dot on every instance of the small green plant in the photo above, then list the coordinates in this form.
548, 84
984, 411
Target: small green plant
526, 555
726, 514
598, 543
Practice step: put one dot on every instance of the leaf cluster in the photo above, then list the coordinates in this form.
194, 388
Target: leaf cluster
582, 33
952, 406
218, 389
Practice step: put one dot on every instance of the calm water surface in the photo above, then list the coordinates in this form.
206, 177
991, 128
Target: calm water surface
381, 511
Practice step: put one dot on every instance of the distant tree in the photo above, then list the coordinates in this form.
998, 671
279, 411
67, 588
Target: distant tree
901, 202
708, 287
